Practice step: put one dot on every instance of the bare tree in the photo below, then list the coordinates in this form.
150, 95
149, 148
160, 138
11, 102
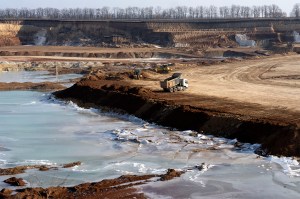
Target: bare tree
256, 11
179, 12
296, 11
224, 12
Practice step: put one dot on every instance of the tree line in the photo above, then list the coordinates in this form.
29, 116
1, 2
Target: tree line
180, 12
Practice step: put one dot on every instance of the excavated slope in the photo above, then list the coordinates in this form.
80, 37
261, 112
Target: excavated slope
277, 138
188, 33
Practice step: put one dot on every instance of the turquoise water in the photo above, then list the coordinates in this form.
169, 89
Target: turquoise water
37, 129
35, 76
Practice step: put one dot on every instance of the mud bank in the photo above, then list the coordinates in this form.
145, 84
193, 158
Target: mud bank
122, 187
276, 137
22, 169
43, 86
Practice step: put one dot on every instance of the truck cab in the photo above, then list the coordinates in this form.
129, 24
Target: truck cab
184, 83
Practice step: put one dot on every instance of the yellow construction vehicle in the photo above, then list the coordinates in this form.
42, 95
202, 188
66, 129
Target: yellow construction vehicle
163, 69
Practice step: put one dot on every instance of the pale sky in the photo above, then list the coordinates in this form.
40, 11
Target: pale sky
285, 5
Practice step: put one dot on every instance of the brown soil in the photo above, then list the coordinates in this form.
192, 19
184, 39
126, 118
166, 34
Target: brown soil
73, 164
43, 86
67, 71
22, 169
13, 171
122, 187
238, 100
15, 181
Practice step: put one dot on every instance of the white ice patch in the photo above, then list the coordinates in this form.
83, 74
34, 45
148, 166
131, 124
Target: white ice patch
40, 38
296, 37
37, 162
157, 196
243, 40
2, 161
289, 165
136, 167
30, 103
78, 169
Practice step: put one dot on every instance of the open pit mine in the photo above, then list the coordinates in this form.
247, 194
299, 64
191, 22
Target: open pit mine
212, 103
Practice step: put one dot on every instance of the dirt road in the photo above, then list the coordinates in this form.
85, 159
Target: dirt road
272, 82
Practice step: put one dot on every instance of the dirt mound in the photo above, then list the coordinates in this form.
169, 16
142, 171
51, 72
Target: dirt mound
72, 164
117, 76
15, 181
128, 90
171, 173
101, 75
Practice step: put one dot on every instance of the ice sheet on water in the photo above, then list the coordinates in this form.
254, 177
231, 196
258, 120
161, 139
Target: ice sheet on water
81, 170
2, 161
39, 162
34, 162
30, 103
289, 165
152, 138
129, 167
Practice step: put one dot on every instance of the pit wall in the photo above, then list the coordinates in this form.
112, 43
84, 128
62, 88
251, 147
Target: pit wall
202, 34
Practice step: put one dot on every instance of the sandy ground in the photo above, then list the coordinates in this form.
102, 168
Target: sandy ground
271, 82
260, 88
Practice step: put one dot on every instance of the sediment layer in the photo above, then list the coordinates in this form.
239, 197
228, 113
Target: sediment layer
181, 33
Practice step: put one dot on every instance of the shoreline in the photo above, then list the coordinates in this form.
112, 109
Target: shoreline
278, 137
124, 186
277, 131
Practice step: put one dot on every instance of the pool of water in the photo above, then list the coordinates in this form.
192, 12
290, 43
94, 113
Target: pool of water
35, 76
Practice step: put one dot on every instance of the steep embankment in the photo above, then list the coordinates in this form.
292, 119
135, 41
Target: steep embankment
190, 33
278, 138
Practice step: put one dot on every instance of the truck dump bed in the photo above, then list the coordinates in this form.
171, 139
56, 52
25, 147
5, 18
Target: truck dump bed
171, 81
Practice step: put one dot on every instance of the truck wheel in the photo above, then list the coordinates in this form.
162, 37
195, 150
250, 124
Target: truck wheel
171, 90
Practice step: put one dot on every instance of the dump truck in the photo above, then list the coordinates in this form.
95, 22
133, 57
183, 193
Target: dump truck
174, 83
